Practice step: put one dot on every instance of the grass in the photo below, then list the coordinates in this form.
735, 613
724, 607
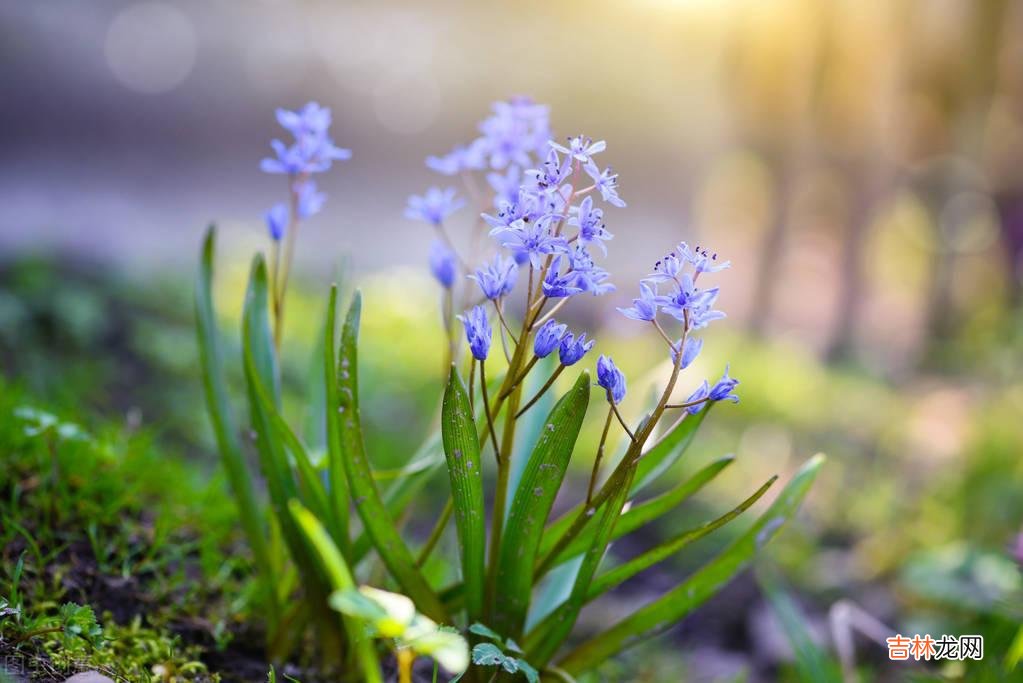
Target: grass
97, 525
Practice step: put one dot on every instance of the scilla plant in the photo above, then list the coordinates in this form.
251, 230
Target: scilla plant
524, 575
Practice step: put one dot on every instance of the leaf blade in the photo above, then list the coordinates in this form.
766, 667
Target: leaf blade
377, 520
462, 450
532, 504
683, 599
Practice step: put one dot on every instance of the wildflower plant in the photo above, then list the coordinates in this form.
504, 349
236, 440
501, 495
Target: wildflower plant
534, 239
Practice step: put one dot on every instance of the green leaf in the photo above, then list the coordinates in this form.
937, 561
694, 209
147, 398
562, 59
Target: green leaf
651, 465
642, 514
663, 551
481, 630
335, 459
218, 406
341, 579
668, 449
677, 603
462, 449
376, 519
563, 619
531, 506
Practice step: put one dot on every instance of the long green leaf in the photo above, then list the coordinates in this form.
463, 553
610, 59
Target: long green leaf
564, 618
377, 520
260, 374
645, 512
341, 579
540, 483
219, 409
663, 551
650, 465
335, 466
677, 603
462, 449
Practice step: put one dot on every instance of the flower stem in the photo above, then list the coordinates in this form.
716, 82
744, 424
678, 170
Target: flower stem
472, 384
486, 410
599, 456
436, 533
621, 421
542, 391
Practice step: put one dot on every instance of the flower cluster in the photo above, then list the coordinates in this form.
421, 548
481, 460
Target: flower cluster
311, 151
691, 306
548, 221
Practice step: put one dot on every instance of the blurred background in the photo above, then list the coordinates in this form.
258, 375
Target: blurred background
859, 161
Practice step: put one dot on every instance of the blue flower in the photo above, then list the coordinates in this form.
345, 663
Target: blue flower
722, 389
692, 302
611, 378
277, 220
498, 278
477, 331
643, 308
701, 260
532, 237
551, 173
516, 130
700, 394
312, 119
548, 338
524, 206
313, 151
573, 348
591, 224
460, 159
585, 275
557, 286
506, 185
667, 269
443, 264
580, 148
690, 351
434, 206
606, 182
310, 200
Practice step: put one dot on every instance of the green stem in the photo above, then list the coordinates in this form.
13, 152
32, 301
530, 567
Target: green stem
542, 391
436, 533
599, 456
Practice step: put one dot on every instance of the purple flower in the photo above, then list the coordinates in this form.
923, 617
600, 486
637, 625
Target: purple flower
434, 206
700, 394
498, 278
443, 264
580, 148
585, 275
607, 182
534, 238
722, 389
611, 378
551, 173
667, 269
690, 302
460, 159
643, 308
312, 120
516, 130
690, 351
477, 331
591, 224
701, 260
548, 338
313, 151
557, 286
277, 220
506, 185
524, 206
573, 348
310, 200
